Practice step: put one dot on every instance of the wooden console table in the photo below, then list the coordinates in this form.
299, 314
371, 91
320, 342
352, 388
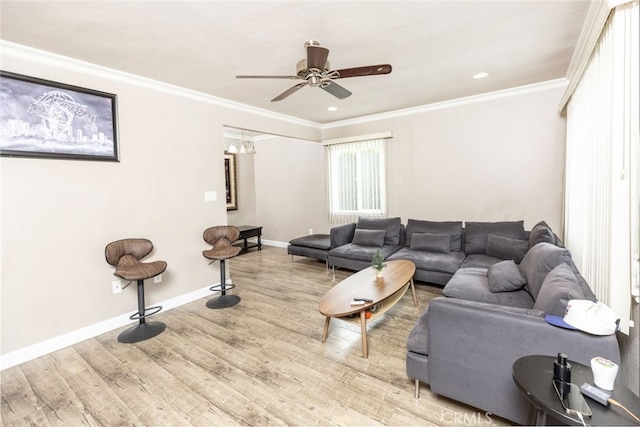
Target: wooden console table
247, 232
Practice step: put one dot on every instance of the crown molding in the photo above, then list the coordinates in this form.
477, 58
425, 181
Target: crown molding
75, 65
519, 90
594, 23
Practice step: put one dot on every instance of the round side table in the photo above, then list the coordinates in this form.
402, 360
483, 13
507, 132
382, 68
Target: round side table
534, 375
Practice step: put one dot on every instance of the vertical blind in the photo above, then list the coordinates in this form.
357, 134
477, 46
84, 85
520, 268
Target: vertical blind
356, 174
603, 165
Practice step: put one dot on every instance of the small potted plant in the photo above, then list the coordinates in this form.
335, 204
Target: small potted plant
378, 263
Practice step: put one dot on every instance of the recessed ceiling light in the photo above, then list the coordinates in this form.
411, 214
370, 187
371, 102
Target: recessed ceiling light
332, 109
481, 75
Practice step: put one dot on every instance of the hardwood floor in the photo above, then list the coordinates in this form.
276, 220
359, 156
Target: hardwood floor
260, 362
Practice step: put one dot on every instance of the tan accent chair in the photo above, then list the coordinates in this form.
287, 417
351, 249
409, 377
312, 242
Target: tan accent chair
221, 237
125, 255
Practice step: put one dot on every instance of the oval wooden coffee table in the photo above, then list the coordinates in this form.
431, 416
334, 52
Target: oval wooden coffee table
384, 292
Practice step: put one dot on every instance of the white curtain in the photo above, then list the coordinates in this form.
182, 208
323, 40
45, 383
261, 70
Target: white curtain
356, 180
602, 167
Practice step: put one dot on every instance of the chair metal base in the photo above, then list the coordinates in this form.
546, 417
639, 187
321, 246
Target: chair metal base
141, 332
223, 301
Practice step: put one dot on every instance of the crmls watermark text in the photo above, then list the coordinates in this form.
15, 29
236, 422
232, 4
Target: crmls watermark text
459, 418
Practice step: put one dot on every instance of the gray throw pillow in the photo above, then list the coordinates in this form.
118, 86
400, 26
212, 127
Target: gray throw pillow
505, 276
539, 261
507, 248
476, 234
429, 242
391, 226
451, 228
541, 232
369, 237
560, 286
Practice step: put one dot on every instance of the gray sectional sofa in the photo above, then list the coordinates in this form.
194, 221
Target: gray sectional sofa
499, 282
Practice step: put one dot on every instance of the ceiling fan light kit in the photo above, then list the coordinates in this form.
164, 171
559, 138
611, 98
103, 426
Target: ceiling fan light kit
315, 71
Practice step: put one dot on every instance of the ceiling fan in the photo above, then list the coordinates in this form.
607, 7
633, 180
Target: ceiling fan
315, 72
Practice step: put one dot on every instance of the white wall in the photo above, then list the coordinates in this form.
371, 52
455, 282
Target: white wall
246, 194
499, 158
490, 158
290, 188
58, 215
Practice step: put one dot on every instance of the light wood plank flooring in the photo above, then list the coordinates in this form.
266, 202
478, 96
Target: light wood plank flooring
261, 362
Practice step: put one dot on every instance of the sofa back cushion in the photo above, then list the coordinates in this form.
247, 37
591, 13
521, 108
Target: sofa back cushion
391, 226
477, 233
539, 261
506, 248
541, 232
451, 228
430, 242
560, 286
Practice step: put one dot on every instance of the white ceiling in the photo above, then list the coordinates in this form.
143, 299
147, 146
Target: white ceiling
434, 46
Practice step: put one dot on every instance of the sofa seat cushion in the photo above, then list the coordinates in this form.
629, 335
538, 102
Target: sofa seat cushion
419, 335
451, 228
476, 234
432, 261
314, 241
472, 284
479, 261
361, 253
539, 261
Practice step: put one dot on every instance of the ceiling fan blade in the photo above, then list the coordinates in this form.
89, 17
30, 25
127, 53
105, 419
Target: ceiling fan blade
372, 70
267, 77
289, 91
336, 90
317, 57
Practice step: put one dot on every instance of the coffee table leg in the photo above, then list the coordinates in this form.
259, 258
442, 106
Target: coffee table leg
325, 331
363, 327
413, 291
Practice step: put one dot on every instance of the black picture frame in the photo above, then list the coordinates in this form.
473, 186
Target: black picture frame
45, 119
231, 185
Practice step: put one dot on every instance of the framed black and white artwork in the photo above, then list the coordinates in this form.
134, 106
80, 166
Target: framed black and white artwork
44, 119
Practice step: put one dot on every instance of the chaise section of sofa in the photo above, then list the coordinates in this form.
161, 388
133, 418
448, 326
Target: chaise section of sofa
465, 351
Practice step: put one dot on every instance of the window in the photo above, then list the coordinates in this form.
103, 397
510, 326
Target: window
356, 180
602, 219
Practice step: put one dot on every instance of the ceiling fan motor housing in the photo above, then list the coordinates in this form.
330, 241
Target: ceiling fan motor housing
302, 70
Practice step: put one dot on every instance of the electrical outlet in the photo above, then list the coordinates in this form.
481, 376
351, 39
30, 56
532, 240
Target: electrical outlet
157, 279
116, 286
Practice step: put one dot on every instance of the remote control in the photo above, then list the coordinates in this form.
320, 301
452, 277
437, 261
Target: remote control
357, 302
363, 299
600, 396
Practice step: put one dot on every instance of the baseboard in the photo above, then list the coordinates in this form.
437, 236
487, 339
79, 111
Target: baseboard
45, 347
275, 243
29, 353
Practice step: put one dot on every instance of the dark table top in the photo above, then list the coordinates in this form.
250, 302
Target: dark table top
249, 227
534, 375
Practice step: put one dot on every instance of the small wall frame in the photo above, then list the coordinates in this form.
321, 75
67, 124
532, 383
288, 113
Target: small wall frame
231, 185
